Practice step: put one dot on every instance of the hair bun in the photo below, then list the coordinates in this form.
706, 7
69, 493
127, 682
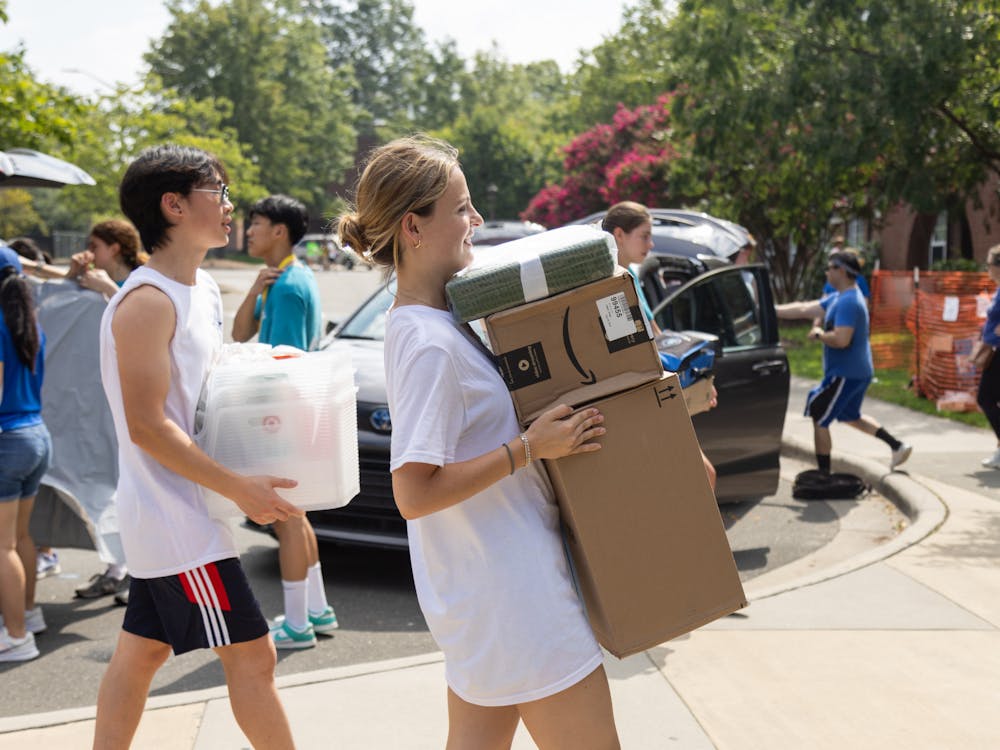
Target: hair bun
351, 233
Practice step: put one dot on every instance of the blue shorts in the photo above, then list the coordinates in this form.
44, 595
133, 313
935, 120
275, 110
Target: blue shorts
24, 459
205, 607
836, 398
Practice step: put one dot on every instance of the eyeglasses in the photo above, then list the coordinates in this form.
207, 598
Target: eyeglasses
222, 192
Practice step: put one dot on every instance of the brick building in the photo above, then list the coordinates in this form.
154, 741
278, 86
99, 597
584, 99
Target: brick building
909, 239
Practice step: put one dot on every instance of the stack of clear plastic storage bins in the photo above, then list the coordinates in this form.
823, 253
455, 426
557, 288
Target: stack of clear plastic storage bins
284, 412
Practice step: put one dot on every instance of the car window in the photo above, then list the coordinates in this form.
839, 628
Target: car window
369, 321
723, 304
739, 290
695, 309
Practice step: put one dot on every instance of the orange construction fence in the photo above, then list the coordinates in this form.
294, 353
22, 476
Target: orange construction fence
929, 324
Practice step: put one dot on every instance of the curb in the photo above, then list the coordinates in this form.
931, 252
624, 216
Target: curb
925, 509
87, 713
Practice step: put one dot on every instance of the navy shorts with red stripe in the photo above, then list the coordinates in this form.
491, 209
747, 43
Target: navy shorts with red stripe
205, 607
836, 398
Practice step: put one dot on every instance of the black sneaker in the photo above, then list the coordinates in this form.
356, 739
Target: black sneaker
101, 584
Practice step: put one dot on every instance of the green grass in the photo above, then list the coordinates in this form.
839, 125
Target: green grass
805, 358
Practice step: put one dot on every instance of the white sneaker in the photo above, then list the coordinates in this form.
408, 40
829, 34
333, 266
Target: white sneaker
285, 636
324, 622
47, 564
17, 649
900, 455
993, 462
34, 622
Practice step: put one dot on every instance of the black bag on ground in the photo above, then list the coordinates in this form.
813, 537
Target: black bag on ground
814, 484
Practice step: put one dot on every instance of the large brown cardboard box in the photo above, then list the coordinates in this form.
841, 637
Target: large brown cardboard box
648, 545
574, 347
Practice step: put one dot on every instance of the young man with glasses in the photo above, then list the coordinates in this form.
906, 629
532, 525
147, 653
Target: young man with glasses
283, 307
847, 360
159, 336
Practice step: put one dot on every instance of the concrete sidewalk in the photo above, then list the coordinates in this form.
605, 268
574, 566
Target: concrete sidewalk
893, 647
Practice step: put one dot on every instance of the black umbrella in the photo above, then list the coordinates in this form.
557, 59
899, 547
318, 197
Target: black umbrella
24, 168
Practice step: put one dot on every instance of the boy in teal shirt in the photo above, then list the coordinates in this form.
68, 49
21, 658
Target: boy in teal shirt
283, 307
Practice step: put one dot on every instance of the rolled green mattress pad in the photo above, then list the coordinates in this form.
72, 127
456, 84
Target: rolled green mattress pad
531, 268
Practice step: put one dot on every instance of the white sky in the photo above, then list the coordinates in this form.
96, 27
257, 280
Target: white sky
106, 38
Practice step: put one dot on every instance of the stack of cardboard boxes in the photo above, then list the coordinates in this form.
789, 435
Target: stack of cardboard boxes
646, 538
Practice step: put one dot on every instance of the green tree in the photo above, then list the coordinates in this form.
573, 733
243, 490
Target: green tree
122, 124
807, 111
632, 66
267, 60
33, 114
438, 101
507, 130
391, 66
18, 214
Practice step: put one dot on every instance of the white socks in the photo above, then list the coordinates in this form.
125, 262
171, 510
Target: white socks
299, 594
317, 592
295, 604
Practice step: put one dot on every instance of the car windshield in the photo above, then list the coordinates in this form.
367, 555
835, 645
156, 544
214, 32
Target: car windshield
369, 320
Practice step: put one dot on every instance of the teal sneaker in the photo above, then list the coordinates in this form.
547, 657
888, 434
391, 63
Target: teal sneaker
285, 636
325, 621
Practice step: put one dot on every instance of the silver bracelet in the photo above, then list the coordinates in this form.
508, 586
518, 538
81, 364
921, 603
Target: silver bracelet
527, 448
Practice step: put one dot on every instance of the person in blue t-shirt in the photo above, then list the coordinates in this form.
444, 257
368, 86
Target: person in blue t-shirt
828, 288
25, 446
847, 360
283, 307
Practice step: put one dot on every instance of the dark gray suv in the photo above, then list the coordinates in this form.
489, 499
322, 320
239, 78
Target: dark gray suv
742, 436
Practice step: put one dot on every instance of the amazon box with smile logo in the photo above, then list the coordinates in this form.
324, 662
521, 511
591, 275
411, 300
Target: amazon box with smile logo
575, 347
650, 556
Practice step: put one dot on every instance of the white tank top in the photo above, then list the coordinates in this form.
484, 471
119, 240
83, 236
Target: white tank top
164, 525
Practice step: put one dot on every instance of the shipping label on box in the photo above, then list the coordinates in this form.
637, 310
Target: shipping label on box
647, 541
574, 347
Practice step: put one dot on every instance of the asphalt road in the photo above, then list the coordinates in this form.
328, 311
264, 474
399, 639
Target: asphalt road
372, 590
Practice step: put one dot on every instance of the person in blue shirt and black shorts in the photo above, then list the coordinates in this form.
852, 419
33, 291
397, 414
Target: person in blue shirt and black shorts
847, 360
